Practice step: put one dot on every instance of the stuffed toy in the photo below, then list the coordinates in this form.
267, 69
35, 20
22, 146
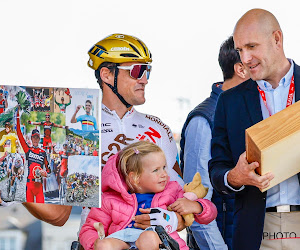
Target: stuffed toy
100, 229
193, 191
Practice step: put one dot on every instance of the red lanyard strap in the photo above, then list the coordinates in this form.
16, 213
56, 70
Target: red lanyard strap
289, 99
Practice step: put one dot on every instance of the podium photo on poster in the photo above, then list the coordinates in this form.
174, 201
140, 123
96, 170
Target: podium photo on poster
49, 145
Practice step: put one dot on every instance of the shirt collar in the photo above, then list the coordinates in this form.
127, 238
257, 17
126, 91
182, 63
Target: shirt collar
285, 81
113, 112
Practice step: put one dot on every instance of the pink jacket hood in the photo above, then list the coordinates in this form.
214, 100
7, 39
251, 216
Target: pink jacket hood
112, 179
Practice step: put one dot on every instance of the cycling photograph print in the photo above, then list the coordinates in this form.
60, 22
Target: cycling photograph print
49, 145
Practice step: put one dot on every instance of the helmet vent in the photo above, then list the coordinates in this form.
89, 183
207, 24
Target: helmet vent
128, 55
135, 49
101, 47
142, 46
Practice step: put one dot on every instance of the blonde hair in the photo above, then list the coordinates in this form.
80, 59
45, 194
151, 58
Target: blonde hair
130, 160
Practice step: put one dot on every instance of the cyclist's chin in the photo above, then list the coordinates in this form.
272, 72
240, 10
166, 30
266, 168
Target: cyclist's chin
139, 101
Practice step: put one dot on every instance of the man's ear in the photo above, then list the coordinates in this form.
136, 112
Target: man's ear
278, 38
106, 75
240, 70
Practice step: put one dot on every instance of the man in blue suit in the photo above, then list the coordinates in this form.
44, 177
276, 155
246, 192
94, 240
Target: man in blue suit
259, 217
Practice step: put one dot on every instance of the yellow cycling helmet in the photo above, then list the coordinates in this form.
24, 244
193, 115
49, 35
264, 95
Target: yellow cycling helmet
118, 48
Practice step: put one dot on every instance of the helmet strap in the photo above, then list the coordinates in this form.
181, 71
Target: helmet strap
115, 89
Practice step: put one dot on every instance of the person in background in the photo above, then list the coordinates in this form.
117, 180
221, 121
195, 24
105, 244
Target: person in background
195, 152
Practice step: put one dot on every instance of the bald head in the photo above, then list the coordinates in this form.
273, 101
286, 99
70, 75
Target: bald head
258, 38
260, 18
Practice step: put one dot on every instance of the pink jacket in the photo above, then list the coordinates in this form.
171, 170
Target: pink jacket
119, 206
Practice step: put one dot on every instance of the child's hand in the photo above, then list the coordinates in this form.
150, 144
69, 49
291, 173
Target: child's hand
184, 206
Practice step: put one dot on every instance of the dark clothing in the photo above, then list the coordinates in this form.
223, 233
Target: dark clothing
205, 109
238, 109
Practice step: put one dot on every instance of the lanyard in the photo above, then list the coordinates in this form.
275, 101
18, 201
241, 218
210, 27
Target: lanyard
289, 99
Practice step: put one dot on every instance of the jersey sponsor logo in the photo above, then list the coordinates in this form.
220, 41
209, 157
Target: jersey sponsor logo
149, 135
119, 142
119, 48
137, 126
164, 126
47, 127
107, 130
107, 124
35, 156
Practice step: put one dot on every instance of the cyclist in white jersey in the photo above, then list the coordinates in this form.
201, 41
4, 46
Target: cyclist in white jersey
122, 68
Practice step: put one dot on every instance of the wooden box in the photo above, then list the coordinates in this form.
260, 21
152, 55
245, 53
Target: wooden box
275, 144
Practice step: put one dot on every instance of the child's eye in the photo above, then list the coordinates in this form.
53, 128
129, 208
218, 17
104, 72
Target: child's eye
164, 167
155, 170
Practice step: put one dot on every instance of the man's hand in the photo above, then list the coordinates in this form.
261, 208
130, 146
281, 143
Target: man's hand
142, 221
78, 108
244, 174
184, 206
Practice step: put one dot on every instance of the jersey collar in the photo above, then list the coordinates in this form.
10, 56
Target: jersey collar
114, 113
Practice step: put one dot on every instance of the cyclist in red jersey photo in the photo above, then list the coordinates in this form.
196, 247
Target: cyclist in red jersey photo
63, 166
36, 97
47, 124
36, 162
3, 102
63, 169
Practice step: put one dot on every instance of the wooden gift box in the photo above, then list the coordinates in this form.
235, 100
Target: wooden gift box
275, 144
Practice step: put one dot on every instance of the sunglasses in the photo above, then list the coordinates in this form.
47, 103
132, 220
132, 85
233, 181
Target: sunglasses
47, 116
137, 71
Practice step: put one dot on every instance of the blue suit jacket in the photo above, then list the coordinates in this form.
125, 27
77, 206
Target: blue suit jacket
238, 109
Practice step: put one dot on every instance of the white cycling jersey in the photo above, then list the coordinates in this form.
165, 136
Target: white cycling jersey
17, 161
116, 133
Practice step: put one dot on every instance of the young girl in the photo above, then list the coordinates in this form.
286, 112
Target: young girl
135, 179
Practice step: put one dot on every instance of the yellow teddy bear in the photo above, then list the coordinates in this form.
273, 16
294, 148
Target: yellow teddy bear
193, 191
